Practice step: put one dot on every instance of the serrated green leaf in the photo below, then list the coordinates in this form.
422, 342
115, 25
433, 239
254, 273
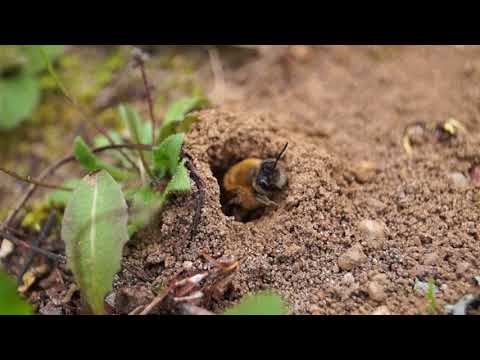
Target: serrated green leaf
10, 302
19, 96
60, 197
36, 62
180, 181
146, 202
91, 162
94, 229
179, 109
167, 154
176, 116
265, 303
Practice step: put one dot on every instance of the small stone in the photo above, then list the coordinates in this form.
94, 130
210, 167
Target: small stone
169, 261
110, 299
129, 298
51, 309
381, 310
380, 279
462, 267
458, 180
376, 292
348, 279
376, 205
187, 265
301, 53
292, 250
351, 258
364, 171
474, 173
373, 232
6, 248
431, 259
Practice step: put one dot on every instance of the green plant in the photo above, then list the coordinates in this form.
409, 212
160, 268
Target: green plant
431, 298
20, 66
10, 301
95, 222
263, 303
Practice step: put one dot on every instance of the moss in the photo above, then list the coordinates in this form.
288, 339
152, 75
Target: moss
37, 215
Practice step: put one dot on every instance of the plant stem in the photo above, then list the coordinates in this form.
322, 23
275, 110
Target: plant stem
54, 167
29, 180
82, 112
36, 249
141, 64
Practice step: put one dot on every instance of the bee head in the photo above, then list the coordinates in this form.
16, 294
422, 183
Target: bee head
270, 177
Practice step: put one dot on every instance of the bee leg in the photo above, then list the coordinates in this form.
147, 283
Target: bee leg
265, 200
239, 214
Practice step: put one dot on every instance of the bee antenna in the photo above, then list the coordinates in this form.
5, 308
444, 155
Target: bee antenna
279, 156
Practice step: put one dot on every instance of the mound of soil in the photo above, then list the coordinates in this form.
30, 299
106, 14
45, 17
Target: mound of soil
331, 246
361, 227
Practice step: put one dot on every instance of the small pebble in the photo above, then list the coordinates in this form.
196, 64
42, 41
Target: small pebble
187, 265
373, 232
169, 261
431, 259
376, 292
6, 248
381, 310
458, 180
302, 53
380, 279
364, 171
348, 279
352, 258
462, 267
51, 309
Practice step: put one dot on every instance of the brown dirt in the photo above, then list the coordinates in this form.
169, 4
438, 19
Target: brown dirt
360, 221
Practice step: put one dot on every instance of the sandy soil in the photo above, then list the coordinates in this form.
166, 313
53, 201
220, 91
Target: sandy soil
360, 221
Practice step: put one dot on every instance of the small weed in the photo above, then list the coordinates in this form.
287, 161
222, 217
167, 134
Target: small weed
431, 298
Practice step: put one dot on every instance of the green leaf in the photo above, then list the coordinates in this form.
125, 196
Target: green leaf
140, 132
10, 302
146, 202
132, 121
90, 162
19, 96
36, 62
176, 118
180, 181
95, 230
265, 303
167, 154
179, 109
60, 197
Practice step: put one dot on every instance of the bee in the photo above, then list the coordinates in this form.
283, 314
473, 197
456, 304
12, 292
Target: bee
251, 183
